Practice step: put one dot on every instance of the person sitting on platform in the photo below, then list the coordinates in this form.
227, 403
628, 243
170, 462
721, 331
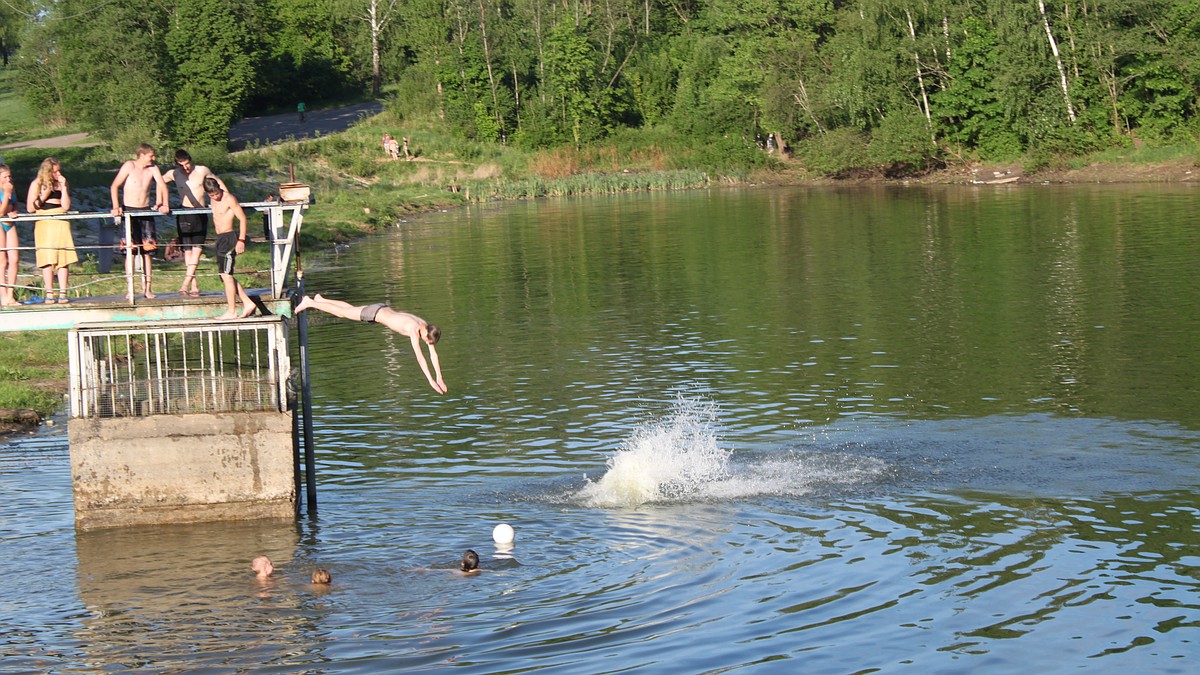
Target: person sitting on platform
414, 327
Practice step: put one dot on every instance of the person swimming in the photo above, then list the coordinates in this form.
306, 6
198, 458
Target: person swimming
321, 576
262, 567
470, 562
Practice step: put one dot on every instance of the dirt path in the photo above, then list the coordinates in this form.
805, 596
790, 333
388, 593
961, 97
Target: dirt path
68, 140
263, 130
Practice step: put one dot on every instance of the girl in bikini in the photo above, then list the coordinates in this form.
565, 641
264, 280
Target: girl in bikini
10, 254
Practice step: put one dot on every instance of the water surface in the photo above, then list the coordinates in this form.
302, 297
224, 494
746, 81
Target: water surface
834, 430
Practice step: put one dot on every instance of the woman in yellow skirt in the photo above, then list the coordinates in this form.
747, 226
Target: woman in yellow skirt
48, 195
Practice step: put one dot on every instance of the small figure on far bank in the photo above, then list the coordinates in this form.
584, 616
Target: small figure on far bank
134, 181
193, 227
300, 110
10, 252
263, 569
404, 149
414, 327
49, 195
225, 209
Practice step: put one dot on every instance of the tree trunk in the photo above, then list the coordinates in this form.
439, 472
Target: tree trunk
487, 59
912, 32
1062, 72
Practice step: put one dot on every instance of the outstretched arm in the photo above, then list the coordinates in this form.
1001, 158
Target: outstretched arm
437, 384
437, 369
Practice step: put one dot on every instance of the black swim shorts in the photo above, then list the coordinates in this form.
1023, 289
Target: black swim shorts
193, 228
226, 252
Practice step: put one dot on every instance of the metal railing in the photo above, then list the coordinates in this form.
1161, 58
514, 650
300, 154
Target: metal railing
179, 368
282, 234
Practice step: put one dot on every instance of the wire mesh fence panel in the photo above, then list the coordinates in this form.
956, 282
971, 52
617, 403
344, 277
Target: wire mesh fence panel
180, 369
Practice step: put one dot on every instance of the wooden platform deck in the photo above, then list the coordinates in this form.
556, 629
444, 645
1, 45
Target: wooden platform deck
112, 309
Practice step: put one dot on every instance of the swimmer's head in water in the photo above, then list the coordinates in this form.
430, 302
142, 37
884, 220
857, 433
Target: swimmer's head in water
262, 566
321, 576
470, 561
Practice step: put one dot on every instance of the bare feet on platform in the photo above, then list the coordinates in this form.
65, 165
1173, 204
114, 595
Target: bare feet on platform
247, 310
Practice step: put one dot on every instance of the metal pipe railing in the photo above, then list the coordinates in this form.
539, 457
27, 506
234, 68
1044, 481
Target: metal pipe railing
282, 237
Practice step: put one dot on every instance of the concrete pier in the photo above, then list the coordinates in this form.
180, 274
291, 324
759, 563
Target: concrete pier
182, 468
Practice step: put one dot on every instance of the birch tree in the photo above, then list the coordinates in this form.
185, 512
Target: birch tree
377, 14
1062, 71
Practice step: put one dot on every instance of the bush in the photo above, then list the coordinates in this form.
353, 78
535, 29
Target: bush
838, 152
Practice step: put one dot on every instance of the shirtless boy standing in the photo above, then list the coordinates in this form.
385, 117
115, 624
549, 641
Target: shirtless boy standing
193, 227
136, 176
225, 208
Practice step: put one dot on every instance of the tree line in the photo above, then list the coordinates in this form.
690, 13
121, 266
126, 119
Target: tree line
844, 83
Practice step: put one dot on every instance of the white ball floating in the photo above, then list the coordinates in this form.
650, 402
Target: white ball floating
503, 534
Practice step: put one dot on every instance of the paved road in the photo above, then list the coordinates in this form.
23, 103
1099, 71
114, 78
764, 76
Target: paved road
275, 128
265, 130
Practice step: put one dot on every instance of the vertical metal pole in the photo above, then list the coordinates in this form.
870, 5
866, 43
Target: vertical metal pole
310, 464
296, 452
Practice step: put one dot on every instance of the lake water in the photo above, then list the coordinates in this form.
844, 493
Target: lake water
764, 430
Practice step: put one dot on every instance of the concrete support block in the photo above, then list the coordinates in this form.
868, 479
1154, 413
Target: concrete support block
182, 468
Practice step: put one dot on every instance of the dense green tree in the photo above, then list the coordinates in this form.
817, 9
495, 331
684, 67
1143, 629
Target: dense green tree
213, 53
114, 69
14, 14
894, 84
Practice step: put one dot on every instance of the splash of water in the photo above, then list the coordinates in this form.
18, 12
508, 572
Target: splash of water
669, 459
678, 458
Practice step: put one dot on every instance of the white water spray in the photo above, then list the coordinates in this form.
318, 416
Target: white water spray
678, 458
669, 459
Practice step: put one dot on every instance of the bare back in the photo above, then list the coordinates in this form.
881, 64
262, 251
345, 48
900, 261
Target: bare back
402, 322
190, 186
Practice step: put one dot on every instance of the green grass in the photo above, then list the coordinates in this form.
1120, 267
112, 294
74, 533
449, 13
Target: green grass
33, 369
1143, 155
17, 121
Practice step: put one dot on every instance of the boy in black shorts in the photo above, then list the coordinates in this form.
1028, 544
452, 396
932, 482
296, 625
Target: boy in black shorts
225, 208
193, 227
135, 180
